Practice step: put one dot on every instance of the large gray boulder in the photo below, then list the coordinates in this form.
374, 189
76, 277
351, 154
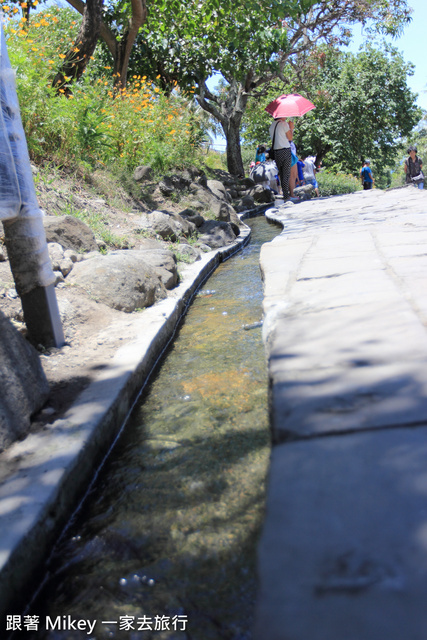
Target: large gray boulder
70, 233
169, 226
143, 173
23, 385
216, 234
165, 265
126, 280
262, 194
219, 190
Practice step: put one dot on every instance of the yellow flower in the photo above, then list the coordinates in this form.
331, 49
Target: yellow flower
62, 56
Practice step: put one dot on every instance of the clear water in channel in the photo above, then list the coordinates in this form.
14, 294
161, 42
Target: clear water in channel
164, 547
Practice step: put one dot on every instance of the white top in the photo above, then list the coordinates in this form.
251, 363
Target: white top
280, 141
308, 170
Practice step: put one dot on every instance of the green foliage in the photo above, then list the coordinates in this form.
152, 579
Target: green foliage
334, 184
363, 108
138, 125
215, 160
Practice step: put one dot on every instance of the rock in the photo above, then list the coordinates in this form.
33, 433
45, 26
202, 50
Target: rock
24, 387
71, 255
164, 262
58, 259
143, 173
170, 226
304, 192
166, 187
216, 234
245, 203
235, 223
165, 226
59, 278
3, 254
244, 184
193, 217
189, 252
123, 280
203, 247
56, 253
69, 232
262, 195
233, 193
218, 189
221, 210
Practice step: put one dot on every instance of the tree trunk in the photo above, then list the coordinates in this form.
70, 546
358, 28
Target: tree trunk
228, 113
120, 50
78, 56
123, 47
234, 154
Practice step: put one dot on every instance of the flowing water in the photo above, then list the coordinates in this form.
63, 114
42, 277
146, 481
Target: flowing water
164, 547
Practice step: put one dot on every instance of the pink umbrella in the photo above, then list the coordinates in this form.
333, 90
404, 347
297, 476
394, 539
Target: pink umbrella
289, 105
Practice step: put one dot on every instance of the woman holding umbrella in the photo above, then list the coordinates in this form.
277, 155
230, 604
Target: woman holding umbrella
281, 133
281, 130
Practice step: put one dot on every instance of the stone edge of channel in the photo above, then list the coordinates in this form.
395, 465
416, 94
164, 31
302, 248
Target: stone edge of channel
50, 471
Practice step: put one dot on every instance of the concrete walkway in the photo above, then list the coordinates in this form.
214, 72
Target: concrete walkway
344, 549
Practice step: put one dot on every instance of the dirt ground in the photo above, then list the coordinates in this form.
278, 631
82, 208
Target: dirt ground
89, 343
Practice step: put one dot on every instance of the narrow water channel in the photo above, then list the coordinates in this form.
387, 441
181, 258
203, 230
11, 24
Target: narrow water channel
164, 546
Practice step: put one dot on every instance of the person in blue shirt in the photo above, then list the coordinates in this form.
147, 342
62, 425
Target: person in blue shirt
366, 175
300, 165
260, 153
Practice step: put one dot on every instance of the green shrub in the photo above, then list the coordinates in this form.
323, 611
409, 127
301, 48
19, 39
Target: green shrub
138, 125
333, 184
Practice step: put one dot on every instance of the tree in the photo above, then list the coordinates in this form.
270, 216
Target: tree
364, 108
118, 25
78, 56
250, 45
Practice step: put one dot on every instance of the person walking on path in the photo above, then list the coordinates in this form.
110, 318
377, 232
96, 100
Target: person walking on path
413, 168
309, 173
366, 175
281, 133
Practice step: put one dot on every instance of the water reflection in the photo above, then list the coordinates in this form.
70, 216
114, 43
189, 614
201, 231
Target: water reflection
169, 531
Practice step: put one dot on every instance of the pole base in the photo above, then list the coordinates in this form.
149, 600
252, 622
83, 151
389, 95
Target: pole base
41, 315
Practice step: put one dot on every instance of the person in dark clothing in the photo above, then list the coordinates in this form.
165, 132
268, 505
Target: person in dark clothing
282, 132
413, 168
366, 175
